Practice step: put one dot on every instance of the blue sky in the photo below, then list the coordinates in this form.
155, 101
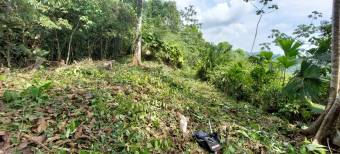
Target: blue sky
235, 21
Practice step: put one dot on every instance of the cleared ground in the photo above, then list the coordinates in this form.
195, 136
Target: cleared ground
86, 108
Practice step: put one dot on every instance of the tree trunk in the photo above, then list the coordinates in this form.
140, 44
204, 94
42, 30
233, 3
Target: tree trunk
101, 48
113, 50
137, 58
8, 57
106, 48
313, 128
284, 77
58, 47
256, 31
70, 43
88, 49
331, 112
23, 37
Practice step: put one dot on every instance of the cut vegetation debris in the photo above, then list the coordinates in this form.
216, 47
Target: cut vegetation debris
85, 108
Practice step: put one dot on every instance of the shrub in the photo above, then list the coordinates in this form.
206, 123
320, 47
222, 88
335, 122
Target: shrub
157, 49
234, 80
255, 83
258, 80
202, 73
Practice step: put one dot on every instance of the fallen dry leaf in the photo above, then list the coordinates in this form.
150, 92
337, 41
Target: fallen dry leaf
72, 96
183, 124
89, 114
36, 139
39, 109
62, 142
72, 146
5, 120
88, 96
62, 125
24, 143
79, 132
4, 140
87, 130
54, 138
92, 122
42, 125
107, 130
1, 102
27, 150
39, 140
51, 121
49, 110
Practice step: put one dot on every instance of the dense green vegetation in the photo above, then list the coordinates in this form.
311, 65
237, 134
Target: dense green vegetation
61, 30
267, 81
256, 102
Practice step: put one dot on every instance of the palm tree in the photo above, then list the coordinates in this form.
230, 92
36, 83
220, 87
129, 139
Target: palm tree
268, 57
137, 58
290, 48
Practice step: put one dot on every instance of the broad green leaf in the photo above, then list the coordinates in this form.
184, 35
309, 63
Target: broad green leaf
287, 62
289, 46
268, 55
309, 70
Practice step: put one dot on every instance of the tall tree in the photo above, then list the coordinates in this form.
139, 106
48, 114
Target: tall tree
70, 43
326, 122
264, 8
137, 58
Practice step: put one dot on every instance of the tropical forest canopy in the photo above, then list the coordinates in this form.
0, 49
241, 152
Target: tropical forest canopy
72, 80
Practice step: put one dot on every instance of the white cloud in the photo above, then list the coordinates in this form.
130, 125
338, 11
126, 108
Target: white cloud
301, 8
234, 30
225, 13
235, 21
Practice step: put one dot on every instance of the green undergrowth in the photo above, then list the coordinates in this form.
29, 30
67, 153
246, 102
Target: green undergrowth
84, 108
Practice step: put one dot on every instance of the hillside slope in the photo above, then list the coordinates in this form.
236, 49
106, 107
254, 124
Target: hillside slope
86, 108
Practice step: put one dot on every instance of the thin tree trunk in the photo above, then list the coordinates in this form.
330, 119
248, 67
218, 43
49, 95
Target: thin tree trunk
8, 57
120, 53
101, 48
284, 76
88, 49
8, 52
58, 47
70, 43
113, 50
106, 46
23, 36
256, 31
331, 112
137, 58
